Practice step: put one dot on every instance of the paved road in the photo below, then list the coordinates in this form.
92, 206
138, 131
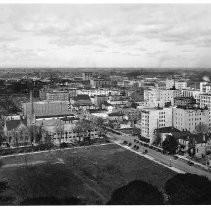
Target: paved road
165, 159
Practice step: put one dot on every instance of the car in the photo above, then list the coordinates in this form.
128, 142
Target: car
175, 157
190, 163
145, 151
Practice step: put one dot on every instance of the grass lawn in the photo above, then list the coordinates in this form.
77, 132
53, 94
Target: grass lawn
97, 171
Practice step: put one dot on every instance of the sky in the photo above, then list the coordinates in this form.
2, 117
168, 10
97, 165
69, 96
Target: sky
117, 35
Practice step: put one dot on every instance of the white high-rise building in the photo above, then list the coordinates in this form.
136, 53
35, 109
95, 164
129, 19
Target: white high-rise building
205, 87
205, 101
191, 93
158, 97
179, 85
153, 118
187, 118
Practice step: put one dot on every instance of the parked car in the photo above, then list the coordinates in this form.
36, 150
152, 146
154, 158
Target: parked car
145, 151
175, 157
190, 163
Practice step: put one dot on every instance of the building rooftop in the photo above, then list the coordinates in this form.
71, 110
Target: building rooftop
167, 130
115, 114
191, 107
81, 97
183, 98
107, 104
54, 116
13, 124
69, 118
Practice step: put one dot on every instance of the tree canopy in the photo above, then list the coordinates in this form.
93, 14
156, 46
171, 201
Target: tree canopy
136, 193
170, 144
201, 128
188, 189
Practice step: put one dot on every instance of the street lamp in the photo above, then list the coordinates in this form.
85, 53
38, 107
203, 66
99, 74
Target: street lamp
170, 162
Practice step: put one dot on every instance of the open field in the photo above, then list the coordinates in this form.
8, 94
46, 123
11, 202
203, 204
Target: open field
96, 171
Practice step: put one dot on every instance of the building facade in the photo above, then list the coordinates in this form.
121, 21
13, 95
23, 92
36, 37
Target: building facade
179, 85
46, 108
152, 119
57, 96
187, 118
157, 97
184, 101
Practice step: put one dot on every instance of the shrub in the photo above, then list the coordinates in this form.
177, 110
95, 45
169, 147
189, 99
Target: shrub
63, 145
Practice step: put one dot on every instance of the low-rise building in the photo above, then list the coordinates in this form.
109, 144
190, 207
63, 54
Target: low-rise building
46, 108
117, 116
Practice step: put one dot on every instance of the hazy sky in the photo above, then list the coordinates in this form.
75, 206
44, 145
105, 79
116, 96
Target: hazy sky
105, 35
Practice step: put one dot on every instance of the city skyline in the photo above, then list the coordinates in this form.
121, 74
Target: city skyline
105, 35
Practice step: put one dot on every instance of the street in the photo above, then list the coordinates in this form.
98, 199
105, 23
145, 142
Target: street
167, 160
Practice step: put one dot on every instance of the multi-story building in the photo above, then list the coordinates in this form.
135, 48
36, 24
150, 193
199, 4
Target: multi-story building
46, 108
62, 130
154, 118
179, 85
191, 93
205, 101
157, 97
205, 87
99, 100
95, 83
57, 96
187, 118
87, 75
98, 91
184, 101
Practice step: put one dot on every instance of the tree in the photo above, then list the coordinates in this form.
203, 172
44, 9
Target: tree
15, 137
201, 128
170, 144
136, 131
191, 152
2, 139
83, 126
136, 193
59, 130
188, 189
100, 125
134, 105
36, 133
157, 140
